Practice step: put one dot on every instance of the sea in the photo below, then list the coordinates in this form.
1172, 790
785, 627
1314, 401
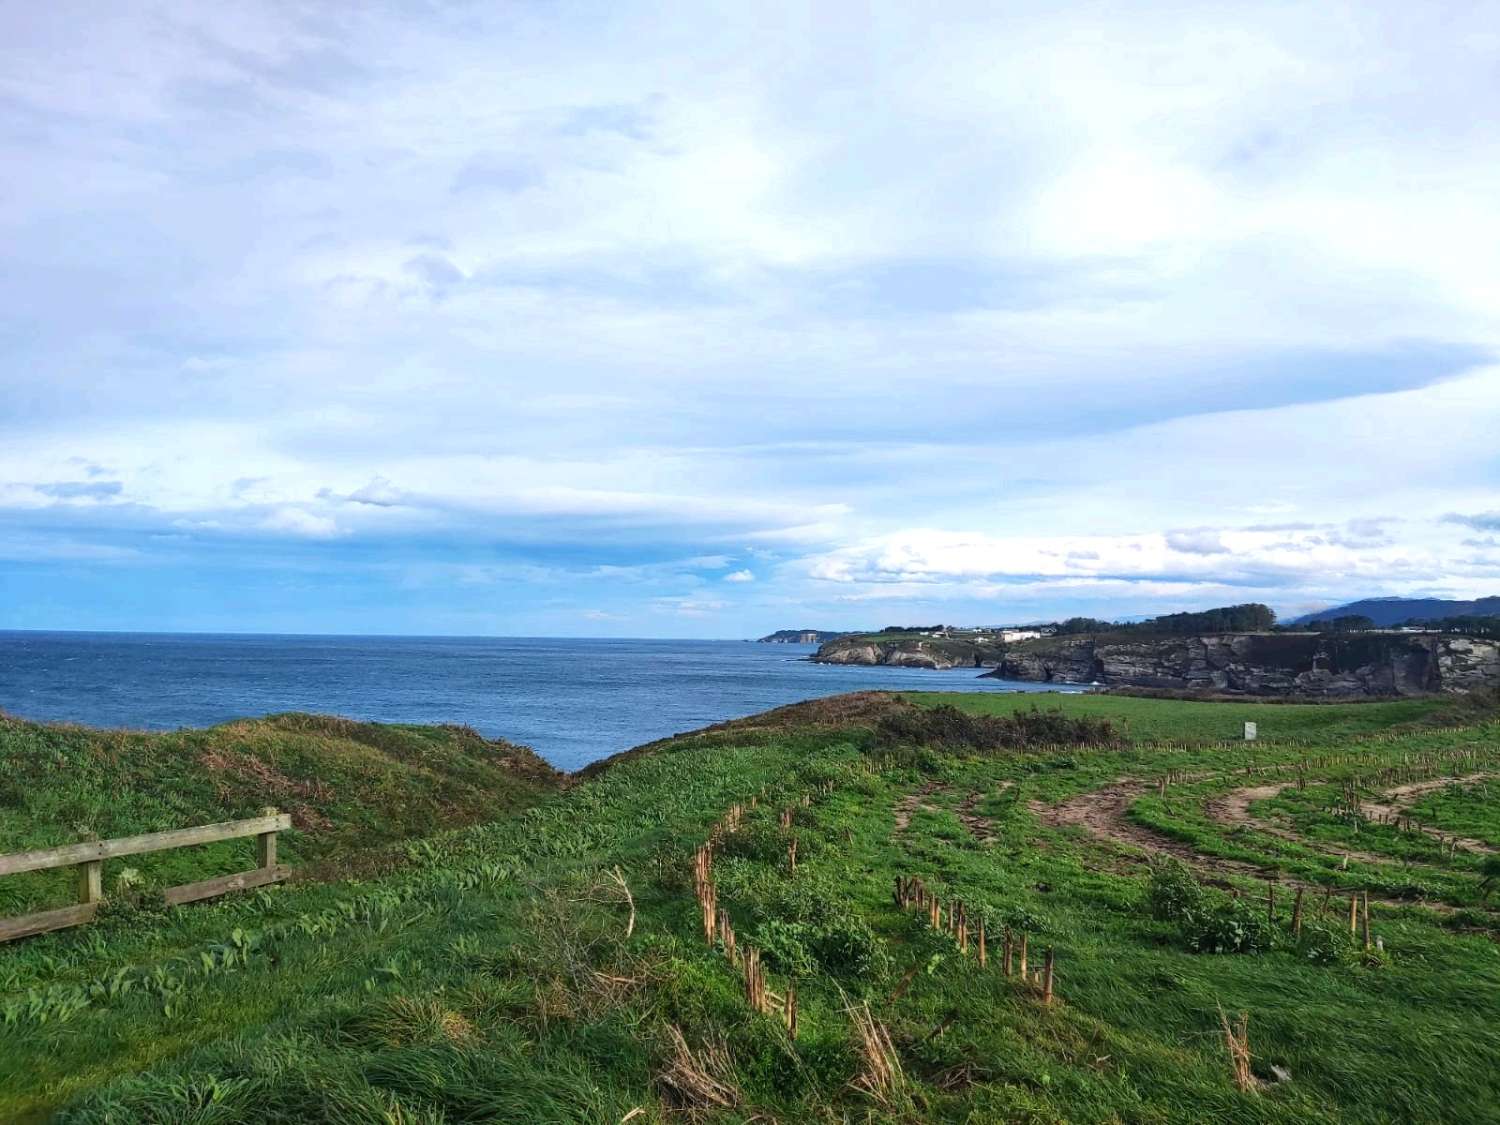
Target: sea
573, 701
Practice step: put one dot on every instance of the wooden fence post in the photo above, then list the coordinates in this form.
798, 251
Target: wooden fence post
1297, 914
265, 844
91, 881
1047, 979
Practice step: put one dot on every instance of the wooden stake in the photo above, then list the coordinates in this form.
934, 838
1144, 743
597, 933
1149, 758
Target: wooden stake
983, 952
1353, 911
1023, 956
1270, 902
1006, 953
1297, 914
1365, 900
1047, 979
790, 1011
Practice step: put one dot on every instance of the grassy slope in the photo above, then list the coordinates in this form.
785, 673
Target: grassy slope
492, 979
1185, 720
347, 785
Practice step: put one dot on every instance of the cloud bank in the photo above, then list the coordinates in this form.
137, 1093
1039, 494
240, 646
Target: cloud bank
472, 319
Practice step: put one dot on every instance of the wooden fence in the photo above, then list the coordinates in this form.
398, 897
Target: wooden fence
89, 859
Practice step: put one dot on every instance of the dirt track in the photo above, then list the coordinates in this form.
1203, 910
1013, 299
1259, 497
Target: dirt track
1104, 814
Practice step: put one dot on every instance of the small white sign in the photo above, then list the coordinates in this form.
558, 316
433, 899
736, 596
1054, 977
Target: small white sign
1249, 732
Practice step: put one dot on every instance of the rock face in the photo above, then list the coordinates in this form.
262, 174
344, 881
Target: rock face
1361, 664
936, 654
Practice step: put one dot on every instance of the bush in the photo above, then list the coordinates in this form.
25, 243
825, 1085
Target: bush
1173, 894
950, 729
1325, 945
1228, 927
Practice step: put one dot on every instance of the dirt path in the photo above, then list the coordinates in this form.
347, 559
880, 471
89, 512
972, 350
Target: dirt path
979, 826
1104, 814
1232, 810
1402, 797
913, 801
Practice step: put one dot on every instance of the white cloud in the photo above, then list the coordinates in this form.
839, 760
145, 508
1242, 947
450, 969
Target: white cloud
739, 576
297, 521
1084, 290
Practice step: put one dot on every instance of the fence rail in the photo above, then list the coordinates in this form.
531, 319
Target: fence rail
88, 857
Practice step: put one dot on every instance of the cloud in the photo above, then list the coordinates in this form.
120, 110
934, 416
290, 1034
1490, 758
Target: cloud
651, 299
739, 576
1200, 542
297, 521
379, 493
1479, 521
81, 490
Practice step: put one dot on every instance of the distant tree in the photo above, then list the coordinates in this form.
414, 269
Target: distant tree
1252, 617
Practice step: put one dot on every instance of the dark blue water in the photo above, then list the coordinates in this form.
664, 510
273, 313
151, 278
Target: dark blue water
573, 701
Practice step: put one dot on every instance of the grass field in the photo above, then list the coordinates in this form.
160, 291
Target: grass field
551, 965
1144, 719
347, 785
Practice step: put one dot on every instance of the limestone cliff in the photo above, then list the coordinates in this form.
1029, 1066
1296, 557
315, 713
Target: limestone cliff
912, 652
1313, 664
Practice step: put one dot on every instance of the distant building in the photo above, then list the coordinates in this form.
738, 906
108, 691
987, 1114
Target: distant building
1010, 636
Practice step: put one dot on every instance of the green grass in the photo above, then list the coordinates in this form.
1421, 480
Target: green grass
1471, 810
1144, 719
349, 786
490, 977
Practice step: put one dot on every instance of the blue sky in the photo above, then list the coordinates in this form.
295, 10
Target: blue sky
703, 320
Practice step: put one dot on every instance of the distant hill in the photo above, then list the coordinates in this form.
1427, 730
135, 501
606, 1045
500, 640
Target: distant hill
1395, 611
802, 636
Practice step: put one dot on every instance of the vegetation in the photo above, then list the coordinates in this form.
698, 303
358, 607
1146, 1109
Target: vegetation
1252, 617
552, 965
347, 785
945, 727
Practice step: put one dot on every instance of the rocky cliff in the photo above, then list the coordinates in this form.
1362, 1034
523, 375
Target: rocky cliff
920, 652
1361, 664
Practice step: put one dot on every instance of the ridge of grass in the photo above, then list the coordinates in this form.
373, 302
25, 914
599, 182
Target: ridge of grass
351, 788
491, 977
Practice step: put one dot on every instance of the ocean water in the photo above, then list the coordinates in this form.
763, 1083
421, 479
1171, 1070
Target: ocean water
573, 701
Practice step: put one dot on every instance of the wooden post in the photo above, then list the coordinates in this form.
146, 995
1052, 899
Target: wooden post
265, 844
1297, 914
1270, 902
1047, 979
983, 953
1365, 900
1006, 953
1353, 911
1023, 956
791, 1010
91, 881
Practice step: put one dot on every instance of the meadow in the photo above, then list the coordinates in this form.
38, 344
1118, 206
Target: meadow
556, 962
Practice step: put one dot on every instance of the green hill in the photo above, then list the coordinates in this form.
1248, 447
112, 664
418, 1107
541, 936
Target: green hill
350, 787
552, 965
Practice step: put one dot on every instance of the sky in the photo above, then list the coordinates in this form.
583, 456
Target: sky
705, 320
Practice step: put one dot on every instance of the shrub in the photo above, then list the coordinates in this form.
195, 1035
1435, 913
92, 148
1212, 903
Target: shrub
950, 729
1173, 894
1228, 927
1325, 945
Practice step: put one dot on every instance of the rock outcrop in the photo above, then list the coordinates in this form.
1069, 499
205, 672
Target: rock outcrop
1267, 664
936, 653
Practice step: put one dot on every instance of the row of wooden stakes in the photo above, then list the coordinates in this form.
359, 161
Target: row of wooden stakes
910, 892
718, 927
1359, 910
